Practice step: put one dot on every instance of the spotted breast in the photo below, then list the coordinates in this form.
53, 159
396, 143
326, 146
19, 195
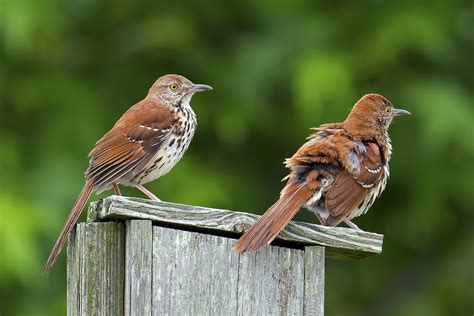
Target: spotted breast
172, 148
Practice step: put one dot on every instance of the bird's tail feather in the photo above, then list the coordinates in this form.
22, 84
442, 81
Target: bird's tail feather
71, 221
275, 219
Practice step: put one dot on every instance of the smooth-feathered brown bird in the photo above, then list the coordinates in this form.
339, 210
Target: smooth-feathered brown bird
144, 144
337, 174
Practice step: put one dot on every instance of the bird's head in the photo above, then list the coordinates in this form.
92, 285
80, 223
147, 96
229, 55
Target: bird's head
373, 112
175, 89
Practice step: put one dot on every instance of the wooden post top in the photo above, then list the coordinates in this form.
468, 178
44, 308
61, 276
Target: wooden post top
340, 242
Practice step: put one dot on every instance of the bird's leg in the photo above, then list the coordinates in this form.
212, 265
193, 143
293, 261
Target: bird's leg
320, 219
116, 189
147, 193
351, 224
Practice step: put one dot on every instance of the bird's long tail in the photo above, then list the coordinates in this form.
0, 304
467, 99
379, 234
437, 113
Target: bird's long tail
71, 221
275, 219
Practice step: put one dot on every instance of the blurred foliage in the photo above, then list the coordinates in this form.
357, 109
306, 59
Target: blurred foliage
69, 69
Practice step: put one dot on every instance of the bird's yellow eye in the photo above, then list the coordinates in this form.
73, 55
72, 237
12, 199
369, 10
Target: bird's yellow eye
388, 110
173, 86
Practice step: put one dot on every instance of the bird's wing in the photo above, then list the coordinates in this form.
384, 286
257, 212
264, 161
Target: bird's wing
321, 148
371, 165
344, 195
351, 187
130, 144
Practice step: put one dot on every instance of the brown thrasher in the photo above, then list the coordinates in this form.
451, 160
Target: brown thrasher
144, 144
337, 174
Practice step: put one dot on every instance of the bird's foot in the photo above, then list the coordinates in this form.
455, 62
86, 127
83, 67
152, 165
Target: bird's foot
351, 224
148, 193
116, 189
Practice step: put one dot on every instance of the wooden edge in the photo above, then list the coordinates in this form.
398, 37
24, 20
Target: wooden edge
73, 278
138, 267
314, 266
96, 266
340, 242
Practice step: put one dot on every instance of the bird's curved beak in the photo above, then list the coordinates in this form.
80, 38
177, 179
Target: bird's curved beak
400, 112
199, 87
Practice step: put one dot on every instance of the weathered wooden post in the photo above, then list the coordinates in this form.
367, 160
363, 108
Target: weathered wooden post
139, 257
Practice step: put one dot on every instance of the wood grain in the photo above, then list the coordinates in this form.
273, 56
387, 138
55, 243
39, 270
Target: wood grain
199, 274
96, 269
271, 282
138, 267
175, 259
193, 274
340, 242
314, 262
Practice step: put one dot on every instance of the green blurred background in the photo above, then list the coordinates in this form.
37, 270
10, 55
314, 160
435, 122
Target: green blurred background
69, 69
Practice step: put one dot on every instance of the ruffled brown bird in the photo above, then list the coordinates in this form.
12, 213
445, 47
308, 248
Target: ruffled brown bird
144, 144
337, 174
